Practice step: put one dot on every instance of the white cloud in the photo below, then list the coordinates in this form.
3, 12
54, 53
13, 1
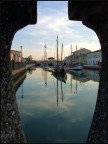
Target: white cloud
52, 21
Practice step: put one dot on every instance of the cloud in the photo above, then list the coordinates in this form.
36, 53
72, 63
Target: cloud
52, 20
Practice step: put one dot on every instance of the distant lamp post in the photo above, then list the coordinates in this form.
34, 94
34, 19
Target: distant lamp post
21, 55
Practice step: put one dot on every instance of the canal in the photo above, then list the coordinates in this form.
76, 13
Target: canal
57, 110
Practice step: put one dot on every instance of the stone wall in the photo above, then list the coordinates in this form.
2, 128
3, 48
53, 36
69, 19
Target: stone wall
94, 14
14, 16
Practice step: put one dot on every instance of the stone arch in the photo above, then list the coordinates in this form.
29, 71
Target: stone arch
16, 15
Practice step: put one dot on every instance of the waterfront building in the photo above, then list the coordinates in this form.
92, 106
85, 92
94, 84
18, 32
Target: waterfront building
77, 56
80, 55
94, 58
16, 56
16, 59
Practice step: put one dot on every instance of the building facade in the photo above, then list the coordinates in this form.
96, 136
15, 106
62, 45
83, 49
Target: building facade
94, 58
79, 56
16, 56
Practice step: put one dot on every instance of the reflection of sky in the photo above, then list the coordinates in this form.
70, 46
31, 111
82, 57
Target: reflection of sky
45, 122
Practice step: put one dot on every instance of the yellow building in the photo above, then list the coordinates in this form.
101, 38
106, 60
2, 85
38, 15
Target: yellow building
16, 56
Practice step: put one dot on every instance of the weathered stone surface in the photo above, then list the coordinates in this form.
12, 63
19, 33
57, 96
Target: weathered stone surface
17, 14
14, 16
94, 14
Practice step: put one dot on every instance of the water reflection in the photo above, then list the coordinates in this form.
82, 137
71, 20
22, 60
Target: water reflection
86, 75
44, 74
61, 79
92, 75
19, 82
54, 110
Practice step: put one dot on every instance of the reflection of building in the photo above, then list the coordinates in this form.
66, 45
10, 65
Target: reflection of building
93, 75
94, 58
87, 75
82, 79
19, 81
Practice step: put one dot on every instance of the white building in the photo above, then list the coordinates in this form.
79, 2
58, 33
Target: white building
94, 58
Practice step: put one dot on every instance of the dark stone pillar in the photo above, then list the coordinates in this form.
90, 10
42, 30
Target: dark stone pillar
99, 129
94, 14
14, 16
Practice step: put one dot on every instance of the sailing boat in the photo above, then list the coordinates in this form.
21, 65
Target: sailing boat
59, 69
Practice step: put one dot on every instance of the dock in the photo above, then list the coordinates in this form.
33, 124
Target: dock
17, 74
16, 71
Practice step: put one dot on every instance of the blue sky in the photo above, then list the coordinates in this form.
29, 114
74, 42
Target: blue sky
52, 20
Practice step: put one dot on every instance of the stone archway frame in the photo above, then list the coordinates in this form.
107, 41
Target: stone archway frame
17, 15
94, 14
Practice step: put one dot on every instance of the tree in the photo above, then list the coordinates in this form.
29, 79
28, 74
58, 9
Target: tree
30, 58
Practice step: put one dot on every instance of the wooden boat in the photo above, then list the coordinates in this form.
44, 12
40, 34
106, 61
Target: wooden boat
60, 77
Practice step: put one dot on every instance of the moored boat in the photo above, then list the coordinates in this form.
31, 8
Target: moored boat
78, 66
60, 77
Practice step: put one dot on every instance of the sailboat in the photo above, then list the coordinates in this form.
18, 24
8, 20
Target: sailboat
59, 69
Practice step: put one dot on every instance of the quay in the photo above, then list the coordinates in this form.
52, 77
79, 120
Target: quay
18, 74
16, 71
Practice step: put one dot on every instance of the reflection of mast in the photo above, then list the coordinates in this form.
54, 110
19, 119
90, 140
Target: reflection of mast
57, 92
61, 91
45, 77
22, 90
76, 84
71, 83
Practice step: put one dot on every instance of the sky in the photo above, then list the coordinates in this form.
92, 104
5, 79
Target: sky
52, 20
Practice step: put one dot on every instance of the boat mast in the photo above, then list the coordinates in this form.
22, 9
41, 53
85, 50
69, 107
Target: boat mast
76, 53
57, 51
61, 53
45, 55
71, 54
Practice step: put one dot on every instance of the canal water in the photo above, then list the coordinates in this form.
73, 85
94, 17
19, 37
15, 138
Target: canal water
57, 110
